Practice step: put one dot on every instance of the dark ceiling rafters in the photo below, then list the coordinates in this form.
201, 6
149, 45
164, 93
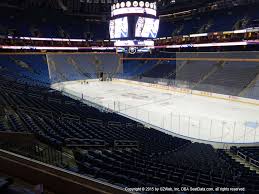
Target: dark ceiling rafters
102, 7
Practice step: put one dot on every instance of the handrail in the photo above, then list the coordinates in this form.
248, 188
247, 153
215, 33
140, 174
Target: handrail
53, 177
239, 153
254, 162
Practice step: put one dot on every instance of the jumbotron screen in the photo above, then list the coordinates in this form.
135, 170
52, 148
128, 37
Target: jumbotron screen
132, 21
146, 27
119, 28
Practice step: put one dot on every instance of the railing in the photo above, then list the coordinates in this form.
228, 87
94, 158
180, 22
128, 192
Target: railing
126, 144
85, 143
113, 123
254, 162
35, 151
240, 154
52, 177
248, 158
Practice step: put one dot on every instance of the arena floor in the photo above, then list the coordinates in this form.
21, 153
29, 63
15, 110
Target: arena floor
198, 117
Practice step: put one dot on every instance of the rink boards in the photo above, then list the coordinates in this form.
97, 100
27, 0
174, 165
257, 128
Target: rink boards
188, 113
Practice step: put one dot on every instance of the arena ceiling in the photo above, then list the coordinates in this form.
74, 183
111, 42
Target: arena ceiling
102, 7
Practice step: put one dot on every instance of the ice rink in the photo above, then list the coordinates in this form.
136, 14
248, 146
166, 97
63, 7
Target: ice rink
198, 117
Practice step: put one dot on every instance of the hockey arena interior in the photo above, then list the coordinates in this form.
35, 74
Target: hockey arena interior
129, 96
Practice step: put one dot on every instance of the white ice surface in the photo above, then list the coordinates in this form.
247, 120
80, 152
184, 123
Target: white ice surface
189, 115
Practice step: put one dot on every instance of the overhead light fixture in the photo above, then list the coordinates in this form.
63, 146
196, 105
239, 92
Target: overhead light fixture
135, 3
